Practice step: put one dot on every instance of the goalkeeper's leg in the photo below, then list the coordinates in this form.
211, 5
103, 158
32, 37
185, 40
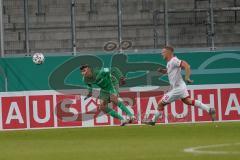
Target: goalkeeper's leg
120, 104
105, 108
114, 93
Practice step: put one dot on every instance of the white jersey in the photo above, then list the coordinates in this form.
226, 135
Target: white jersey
178, 86
174, 73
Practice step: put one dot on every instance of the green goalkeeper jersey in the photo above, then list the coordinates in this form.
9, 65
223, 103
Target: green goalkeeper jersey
104, 78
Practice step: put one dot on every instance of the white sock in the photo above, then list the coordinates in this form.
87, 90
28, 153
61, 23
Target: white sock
199, 104
156, 116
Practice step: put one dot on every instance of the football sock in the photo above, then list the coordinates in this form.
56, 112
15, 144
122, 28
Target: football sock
124, 108
113, 113
156, 116
199, 104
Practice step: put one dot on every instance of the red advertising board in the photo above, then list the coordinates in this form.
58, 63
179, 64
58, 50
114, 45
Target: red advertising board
149, 104
41, 111
44, 109
129, 99
68, 110
230, 104
14, 112
208, 97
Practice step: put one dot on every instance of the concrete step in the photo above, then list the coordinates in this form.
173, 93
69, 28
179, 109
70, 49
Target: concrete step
37, 45
184, 4
216, 4
87, 33
187, 39
20, 10
100, 20
228, 38
12, 36
79, 24
110, 6
182, 30
111, 32
62, 7
56, 3
50, 44
197, 45
235, 44
15, 3
14, 51
14, 45
97, 44
222, 28
226, 17
80, 17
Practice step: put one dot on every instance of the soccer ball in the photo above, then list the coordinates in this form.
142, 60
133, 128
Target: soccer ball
38, 58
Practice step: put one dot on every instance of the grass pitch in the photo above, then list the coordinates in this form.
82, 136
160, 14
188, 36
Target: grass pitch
165, 142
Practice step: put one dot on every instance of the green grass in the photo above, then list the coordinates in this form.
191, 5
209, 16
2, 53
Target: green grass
164, 142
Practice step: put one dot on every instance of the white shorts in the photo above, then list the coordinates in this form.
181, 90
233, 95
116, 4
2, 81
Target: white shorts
174, 94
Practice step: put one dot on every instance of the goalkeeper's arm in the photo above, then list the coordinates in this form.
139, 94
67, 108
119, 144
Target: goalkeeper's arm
119, 75
89, 87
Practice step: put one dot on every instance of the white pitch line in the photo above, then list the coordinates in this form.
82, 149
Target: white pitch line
197, 149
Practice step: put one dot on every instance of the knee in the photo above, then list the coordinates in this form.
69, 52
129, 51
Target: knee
102, 107
161, 105
187, 101
114, 99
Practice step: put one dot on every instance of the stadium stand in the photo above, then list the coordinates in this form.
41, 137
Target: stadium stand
50, 27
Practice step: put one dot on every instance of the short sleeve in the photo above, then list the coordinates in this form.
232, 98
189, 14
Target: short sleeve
177, 62
103, 72
116, 73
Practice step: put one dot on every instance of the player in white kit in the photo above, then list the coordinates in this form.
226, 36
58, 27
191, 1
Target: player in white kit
178, 86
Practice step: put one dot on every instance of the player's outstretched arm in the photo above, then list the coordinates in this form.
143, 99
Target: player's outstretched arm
187, 68
162, 70
117, 73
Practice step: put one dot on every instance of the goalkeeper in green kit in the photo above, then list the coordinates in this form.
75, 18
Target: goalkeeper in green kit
108, 80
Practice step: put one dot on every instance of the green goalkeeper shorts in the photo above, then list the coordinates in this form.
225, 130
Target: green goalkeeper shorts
105, 94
